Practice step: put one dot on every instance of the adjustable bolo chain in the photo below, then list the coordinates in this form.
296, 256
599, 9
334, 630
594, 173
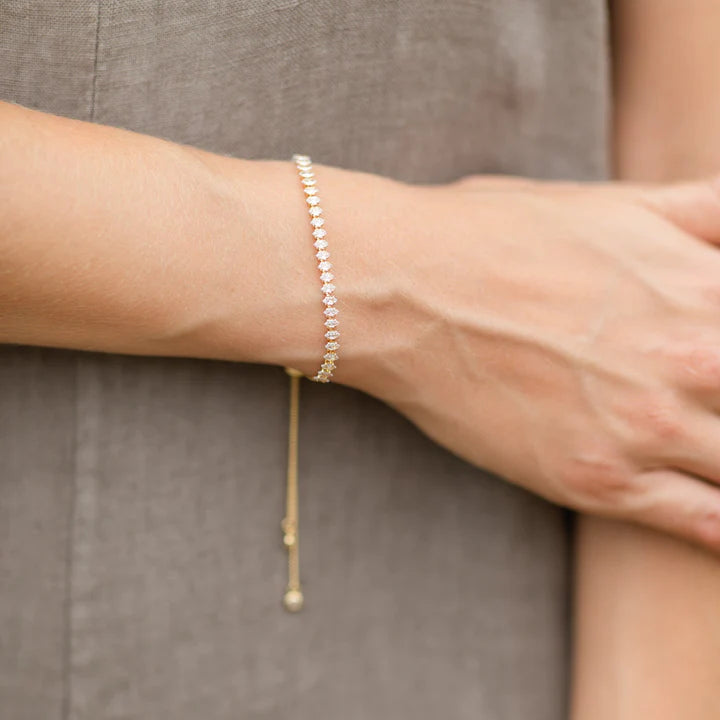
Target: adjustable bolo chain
293, 598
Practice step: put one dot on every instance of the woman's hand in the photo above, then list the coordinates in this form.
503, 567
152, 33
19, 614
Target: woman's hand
566, 337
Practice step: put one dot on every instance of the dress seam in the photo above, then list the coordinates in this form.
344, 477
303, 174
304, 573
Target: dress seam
93, 92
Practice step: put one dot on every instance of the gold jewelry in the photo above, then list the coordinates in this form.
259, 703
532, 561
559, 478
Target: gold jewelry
293, 598
307, 178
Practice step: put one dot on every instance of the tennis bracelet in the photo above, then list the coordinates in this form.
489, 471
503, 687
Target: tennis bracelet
293, 599
307, 178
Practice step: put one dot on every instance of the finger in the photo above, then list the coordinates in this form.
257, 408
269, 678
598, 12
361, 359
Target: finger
679, 504
693, 206
697, 451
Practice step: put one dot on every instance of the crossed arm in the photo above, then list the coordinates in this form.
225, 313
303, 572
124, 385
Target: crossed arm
116, 242
648, 606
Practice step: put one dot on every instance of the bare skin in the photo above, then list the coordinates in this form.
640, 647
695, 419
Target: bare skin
582, 319
647, 614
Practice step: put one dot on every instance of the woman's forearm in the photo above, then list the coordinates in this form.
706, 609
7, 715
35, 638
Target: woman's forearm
648, 626
647, 613
489, 297
667, 108
115, 241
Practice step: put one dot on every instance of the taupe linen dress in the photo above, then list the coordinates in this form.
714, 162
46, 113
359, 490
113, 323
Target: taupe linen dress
141, 567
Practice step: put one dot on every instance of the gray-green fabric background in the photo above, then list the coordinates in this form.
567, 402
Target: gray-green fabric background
141, 568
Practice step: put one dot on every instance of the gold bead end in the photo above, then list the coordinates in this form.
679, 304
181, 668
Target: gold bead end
293, 600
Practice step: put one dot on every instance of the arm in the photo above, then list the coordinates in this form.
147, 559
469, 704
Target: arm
115, 241
491, 312
647, 608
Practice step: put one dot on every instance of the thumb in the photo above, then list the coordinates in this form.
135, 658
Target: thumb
693, 206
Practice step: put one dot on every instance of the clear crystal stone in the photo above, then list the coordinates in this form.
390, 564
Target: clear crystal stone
332, 334
308, 181
328, 288
324, 265
330, 356
299, 157
331, 322
307, 174
315, 211
320, 244
330, 311
326, 277
332, 345
317, 222
312, 200
329, 299
311, 191
322, 254
319, 233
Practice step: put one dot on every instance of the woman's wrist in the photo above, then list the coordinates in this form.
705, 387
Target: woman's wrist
115, 241
263, 301
249, 296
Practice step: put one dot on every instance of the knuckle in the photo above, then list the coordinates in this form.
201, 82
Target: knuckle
656, 420
662, 421
708, 528
593, 479
699, 366
710, 292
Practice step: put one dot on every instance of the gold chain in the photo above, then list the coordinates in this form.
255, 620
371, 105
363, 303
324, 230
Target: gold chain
293, 598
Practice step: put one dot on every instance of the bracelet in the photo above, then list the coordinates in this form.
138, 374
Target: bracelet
307, 178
